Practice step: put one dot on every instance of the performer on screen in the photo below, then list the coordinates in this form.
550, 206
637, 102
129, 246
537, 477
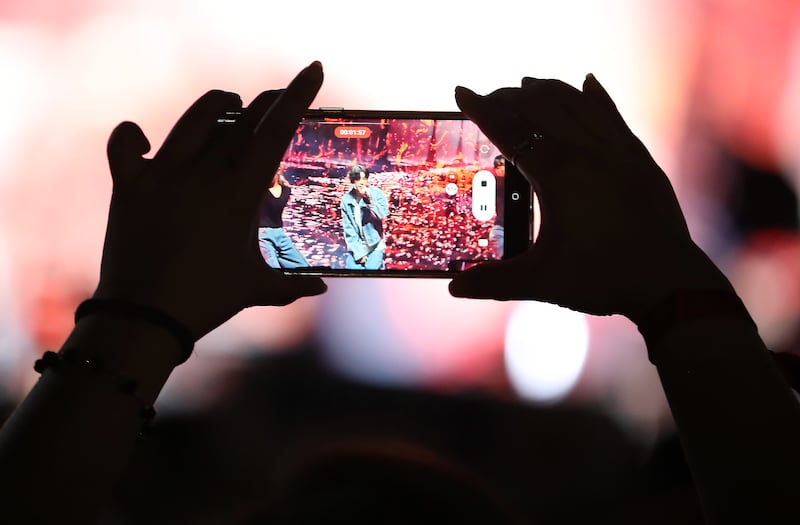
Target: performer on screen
363, 209
276, 247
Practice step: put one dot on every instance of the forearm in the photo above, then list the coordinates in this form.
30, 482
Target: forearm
69, 441
71, 438
737, 417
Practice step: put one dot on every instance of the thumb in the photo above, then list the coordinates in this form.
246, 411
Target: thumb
276, 289
524, 278
503, 280
126, 145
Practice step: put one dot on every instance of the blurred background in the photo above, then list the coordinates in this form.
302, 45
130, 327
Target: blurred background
710, 86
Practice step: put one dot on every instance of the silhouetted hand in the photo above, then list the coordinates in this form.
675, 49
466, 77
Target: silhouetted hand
613, 238
182, 228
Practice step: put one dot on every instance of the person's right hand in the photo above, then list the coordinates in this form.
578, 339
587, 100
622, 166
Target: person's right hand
613, 239
182, 228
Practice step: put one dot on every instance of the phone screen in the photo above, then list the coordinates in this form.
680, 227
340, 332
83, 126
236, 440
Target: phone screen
401, 193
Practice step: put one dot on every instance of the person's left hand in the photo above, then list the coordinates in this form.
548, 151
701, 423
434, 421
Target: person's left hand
182, 228
613, 238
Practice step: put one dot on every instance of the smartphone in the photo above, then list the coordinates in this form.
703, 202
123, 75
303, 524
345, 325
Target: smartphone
392, 194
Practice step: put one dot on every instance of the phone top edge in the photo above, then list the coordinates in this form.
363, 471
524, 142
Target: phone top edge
384, 114
319, 272
230, 117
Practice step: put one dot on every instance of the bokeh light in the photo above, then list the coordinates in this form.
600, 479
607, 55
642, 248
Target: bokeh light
546, 348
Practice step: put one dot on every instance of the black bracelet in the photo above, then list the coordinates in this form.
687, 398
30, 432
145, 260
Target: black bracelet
146, 313
685, 307
68, 358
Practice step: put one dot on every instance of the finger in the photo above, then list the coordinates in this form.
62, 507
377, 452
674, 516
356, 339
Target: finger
555, 88
528, 277
194, 129
277, 125
276, 289
503, 281
507, 96
497, 120
553, 106
512, 134
529, 81
596, 92
126, 145
233, 141
253, 113
514, 116
566, 112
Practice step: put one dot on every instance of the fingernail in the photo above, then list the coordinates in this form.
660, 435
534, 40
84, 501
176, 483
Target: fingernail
310, 77
529, 81
467, 95
317, 287
455, 288
224, 94
466, 99
465, 91
314, 68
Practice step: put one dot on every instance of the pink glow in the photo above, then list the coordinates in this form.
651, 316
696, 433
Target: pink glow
73, 69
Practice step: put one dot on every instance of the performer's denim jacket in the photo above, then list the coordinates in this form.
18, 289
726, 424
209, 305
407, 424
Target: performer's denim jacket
362, 239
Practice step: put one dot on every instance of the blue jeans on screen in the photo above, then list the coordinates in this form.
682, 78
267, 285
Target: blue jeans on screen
374, 261
278, 249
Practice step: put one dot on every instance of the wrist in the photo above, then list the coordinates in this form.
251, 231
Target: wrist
130, 347
152, 294
680, 272
132, 310
689, 307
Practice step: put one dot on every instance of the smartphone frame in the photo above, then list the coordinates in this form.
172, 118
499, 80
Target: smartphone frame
518, 199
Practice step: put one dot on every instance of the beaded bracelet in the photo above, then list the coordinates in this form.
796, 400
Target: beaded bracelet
67, 358
146, 313
686, 307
